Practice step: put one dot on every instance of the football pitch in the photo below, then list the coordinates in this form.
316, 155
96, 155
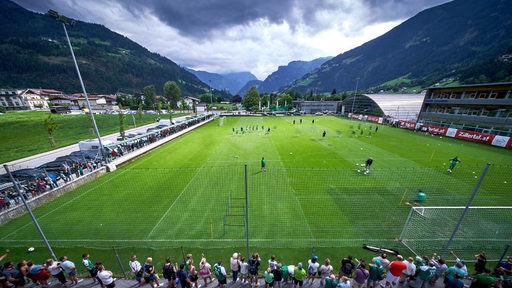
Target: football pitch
192, 192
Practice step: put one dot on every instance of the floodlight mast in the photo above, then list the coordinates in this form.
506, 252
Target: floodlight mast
64, 20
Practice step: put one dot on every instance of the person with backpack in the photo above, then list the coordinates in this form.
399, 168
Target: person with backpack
376, 271
220, 273
347, 267
254, 265
169, 272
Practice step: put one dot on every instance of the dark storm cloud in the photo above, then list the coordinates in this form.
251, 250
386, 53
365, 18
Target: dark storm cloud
198, 18
241, 35
389, 10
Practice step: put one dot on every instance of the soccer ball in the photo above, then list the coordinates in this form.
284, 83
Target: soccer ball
365, 172
357, 164
31, 249
358, 171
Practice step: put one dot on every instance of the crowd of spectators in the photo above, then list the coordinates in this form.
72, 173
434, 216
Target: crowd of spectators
67, 168
413, 272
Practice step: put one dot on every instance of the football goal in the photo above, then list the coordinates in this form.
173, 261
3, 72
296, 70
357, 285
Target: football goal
428, 229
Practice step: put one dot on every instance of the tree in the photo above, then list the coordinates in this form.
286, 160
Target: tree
172, 93
194, 108
251, 99
286, 99
51, 126
169, 108
149, 96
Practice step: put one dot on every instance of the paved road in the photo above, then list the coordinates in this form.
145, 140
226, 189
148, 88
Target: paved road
40, 159
131, 283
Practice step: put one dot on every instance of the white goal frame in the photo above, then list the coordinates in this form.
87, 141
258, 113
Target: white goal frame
427, 231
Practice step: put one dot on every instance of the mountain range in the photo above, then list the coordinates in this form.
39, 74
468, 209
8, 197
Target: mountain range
463, 41
34, 53
231, 82
459, 42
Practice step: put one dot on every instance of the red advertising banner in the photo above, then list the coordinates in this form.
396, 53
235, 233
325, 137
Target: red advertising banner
373, 119
407, 124
436, 130
475, 136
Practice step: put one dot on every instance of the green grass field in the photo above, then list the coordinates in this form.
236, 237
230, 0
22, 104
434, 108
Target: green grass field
189, 194
24, 134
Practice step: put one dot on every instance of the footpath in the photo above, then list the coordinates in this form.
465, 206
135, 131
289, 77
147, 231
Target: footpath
131, 283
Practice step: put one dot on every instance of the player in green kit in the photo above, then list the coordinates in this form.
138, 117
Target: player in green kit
453, 162
263, 165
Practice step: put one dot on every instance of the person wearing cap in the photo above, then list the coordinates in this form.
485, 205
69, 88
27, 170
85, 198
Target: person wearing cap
299, 275
325, 271
376, 270
235, 266
464, 268
395, 270
312, 269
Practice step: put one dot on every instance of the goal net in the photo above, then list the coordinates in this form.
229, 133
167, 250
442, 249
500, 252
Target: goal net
428, 229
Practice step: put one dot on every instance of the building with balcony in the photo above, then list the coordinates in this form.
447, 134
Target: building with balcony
483, 108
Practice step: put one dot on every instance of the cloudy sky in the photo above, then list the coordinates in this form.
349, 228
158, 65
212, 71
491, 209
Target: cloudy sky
223, 36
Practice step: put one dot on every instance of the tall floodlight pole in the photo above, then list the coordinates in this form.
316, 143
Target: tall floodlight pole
64, 20
211, 93
355, 93
18, 190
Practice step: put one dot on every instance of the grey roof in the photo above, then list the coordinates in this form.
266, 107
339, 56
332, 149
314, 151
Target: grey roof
395, 106
399, 106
